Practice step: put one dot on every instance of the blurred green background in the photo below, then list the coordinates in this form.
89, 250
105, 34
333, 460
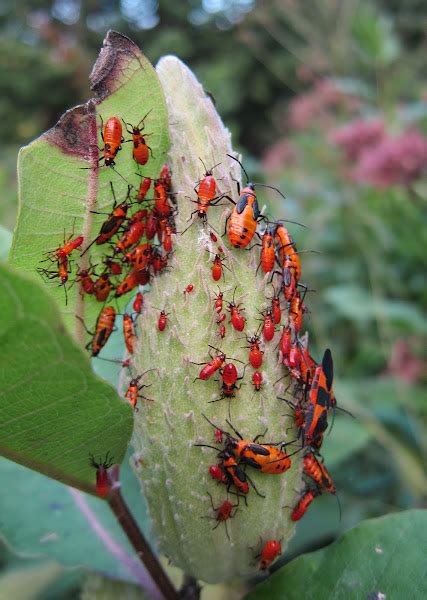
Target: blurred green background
327, 100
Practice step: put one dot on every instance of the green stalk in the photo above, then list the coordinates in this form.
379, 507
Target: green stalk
174, 472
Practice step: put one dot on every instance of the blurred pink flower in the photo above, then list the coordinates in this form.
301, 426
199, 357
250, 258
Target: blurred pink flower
279, 156
403, 364
355, 137
316, 106
394, 161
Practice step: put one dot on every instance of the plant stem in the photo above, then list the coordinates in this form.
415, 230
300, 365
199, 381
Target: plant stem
138, 541
190, 589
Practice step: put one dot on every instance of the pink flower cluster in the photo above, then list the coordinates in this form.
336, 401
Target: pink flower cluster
316, 106
393, 161
358, 135
279, 154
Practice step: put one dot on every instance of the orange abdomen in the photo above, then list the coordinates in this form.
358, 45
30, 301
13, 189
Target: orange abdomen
241, 227
112, 137
104, 327
207, 190
141, 152
129, 333
267, 253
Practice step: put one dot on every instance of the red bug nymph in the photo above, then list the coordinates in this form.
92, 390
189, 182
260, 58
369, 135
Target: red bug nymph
103, 485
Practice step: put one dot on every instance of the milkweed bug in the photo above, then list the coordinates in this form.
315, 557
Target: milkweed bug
129, 333
222, 331
137, 303
115, 219
140, 256
223, 513
218, 436
307, 365
284, 242
319, 400
130, 237
132, 393
218, 301
63, 252
243, 220
87, 284
270, 551
255, 352
103, 329
134, 278
161, 202
62, 274
297, 310
151, 225
163, 320
267, 251
263, 457
229, 379
189, 289
268, 327
235, 475
144, 187
103, 485
158, 261
290, 281
167, 240
206, 190
293, 359
236, 318
113, 139
257, 380
317, 471
141, 151
286, 342
102, 287
276, 309
165, 177
266, 458
303, 503
217, 473
211, 367
217, 268
115, 268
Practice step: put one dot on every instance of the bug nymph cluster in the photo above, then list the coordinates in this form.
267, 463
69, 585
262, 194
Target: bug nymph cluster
230, 408
136, 242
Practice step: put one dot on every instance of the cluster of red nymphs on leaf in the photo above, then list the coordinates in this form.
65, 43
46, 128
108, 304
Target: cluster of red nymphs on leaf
132, 257
311, 382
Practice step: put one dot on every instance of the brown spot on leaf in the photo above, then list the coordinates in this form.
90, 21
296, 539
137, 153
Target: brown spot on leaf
116, 53
75, 132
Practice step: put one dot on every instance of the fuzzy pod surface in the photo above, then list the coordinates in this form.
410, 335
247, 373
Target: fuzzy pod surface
173, 471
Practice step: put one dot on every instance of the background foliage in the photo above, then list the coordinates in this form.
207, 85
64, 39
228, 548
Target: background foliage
300, 73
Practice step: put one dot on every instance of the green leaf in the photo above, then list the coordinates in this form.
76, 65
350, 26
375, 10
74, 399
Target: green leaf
56, 529
34, 577
347, 437
56, 193
55, 411
5, 242
380, 558
355, 304
97, 587
30, 583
